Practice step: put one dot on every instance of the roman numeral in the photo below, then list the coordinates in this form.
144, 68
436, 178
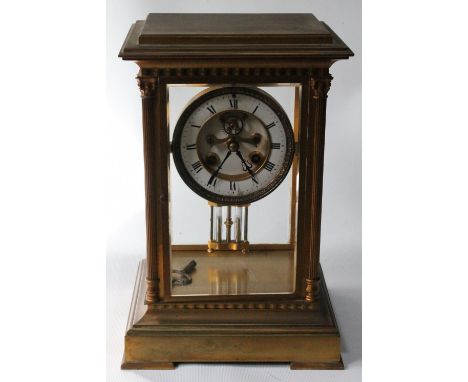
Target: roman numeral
270, 125
197, 126
233, 103
275, 146
193, 146
269, 166
213, 182
254, 110
211, 109
197, 166
232, 186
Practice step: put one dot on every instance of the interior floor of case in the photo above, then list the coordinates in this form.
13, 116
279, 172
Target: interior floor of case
234, 273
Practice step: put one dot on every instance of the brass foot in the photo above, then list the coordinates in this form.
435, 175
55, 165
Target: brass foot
148, 366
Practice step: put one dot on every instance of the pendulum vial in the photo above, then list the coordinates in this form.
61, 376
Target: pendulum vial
228, 228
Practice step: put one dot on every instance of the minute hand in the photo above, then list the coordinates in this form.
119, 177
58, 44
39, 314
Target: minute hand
247, 167
219, 168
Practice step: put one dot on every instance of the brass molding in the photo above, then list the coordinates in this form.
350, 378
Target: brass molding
188, 72
295, 305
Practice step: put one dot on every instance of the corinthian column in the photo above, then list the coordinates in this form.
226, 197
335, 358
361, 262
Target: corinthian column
319, 84
155, 145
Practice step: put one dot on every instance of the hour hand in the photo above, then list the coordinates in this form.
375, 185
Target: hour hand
246, 166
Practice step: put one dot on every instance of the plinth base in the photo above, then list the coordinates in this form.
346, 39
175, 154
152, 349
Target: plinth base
296, 332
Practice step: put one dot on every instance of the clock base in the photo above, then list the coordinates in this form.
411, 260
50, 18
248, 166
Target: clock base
159, 336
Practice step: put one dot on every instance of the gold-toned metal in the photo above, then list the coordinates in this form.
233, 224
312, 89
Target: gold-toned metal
312, 289
309, 293
296, 327
253, 247
242, 246
228, 223
164, 334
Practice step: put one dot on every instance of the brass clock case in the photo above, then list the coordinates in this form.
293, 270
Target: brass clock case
231, 199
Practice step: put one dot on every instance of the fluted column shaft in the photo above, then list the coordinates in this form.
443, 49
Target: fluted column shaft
312, 162
155, 146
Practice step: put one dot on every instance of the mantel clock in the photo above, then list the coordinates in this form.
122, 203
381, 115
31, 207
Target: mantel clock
233, 130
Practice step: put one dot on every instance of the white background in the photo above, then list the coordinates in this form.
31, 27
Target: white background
53, 204
341, 227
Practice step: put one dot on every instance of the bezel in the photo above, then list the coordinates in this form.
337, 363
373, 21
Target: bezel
208, 94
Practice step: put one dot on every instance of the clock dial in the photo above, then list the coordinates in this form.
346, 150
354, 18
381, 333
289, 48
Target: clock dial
233, 145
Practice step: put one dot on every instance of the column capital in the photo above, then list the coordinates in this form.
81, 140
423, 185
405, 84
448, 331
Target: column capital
147, 86
320, 85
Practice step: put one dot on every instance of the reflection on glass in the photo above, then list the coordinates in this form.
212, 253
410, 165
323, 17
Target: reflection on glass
227, 282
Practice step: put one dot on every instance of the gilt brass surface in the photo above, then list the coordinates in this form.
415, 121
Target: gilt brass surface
297, 327
160, 336
241, 246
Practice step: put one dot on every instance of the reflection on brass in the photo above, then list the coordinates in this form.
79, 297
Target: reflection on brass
228, 282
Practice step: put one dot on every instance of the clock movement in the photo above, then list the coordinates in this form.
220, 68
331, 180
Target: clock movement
233, 130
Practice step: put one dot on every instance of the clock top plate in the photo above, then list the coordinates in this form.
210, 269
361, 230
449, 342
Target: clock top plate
169, 35
237, 28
